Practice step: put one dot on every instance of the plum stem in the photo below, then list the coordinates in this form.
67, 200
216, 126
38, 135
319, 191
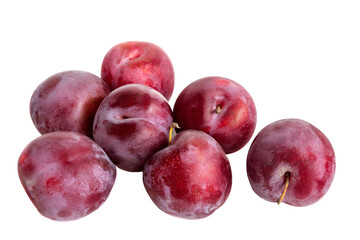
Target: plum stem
218, 109
287, 175
172, 127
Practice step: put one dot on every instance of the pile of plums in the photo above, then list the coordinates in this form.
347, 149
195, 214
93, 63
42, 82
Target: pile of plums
92, 125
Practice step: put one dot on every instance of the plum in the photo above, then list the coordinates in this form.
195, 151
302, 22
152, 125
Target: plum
66, 175
131, 124
67, 101
190, 178
291, 161
219, 107
141, 63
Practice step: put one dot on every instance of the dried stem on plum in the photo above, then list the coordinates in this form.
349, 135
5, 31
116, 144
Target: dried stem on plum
172, 127
287, 175
218, 109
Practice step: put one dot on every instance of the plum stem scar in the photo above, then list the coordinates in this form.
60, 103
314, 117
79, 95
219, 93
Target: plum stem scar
218, 109
287, 175
172, 127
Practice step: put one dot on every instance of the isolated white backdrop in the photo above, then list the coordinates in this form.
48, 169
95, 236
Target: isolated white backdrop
297, 59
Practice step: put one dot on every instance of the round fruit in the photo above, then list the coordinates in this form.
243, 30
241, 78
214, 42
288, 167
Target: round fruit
190, 178
66, 175
291, 161
67, 101
219, 107
138, 62
131, 124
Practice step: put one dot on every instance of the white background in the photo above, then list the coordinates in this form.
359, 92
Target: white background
298, 59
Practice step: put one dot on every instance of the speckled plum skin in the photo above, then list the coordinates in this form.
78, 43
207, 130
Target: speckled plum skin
66, 175
67, 101
131, 124
297, 147
191, 178
233, 126
138, 62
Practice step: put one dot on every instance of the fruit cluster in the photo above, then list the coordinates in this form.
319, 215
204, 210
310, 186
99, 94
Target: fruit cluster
92, 125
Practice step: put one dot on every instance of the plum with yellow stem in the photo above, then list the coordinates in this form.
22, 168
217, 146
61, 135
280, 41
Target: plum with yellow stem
291, 161
190, 178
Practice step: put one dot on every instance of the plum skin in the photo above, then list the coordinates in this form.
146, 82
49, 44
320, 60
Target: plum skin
233, 126
297, 147
191, 178
141, 63
67, 101
66, 175
131, 124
